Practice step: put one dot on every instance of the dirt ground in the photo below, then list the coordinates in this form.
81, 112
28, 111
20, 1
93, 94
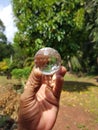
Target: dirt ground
71, 117
74, 118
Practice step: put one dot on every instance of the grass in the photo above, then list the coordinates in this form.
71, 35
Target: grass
82, 127
81, 91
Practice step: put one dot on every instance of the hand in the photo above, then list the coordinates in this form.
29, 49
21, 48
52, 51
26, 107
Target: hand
39, 103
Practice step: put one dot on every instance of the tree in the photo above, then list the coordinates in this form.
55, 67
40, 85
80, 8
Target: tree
5, 49
51, 23
91, 17
3, 38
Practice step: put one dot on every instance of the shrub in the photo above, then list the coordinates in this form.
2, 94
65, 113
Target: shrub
3, 66
21, 73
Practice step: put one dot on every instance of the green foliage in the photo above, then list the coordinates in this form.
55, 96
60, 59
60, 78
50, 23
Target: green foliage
79, 18
29, 62
6, 50
3, 41
20, 58
68, 26
92, 19
48, 23
3, 120
2, 27
3, 66
75, 63
21, 73
3, 38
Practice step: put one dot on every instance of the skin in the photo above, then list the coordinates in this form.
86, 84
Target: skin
39, 103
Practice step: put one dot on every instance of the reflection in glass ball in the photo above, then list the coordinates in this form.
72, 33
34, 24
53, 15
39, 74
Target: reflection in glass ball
48, 60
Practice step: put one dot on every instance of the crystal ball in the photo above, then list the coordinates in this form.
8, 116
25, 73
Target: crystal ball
48, 60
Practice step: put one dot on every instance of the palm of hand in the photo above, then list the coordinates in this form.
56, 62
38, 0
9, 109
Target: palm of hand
48, 107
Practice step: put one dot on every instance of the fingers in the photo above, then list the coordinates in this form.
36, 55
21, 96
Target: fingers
58, 82
32, 86
61, 71
34, 80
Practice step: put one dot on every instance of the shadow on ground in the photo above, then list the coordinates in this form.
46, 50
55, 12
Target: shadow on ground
78, 86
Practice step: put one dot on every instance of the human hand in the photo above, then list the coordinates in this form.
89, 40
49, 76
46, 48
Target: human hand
39, 103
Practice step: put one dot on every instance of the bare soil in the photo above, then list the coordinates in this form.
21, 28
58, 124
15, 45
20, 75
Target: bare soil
74, 118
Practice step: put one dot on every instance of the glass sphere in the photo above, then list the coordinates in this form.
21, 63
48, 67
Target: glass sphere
48, 60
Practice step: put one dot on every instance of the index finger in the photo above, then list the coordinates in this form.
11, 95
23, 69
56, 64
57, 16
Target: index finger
58, 82
61, 71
